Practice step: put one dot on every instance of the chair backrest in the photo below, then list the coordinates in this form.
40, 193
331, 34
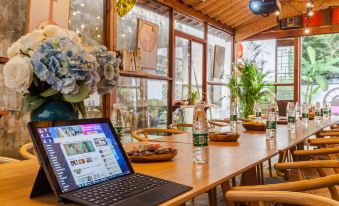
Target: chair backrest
282, 104
181, 126
4, 160
145, 132
25, 151
295, 198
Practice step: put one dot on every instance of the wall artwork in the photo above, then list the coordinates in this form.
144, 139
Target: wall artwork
147, 43
45, 12
219, 61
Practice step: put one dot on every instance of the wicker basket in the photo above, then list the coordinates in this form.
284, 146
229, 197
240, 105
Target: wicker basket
152, 158
224, 137
254, 127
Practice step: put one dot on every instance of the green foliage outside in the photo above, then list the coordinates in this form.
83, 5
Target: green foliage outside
320, 58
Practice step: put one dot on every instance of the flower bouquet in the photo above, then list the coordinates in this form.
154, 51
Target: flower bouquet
52, 65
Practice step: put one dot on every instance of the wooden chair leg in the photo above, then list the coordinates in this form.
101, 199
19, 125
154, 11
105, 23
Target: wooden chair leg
212, 197
270, 167
224, 188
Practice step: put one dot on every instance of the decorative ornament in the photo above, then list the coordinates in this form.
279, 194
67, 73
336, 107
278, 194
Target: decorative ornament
240, 50
124, 6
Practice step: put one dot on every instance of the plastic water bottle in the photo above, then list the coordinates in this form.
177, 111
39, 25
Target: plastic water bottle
325, 111
317, 112
297, 111
271, 123
257, 109
117, 120
304, 113
233, 118
329, 109
291, 116
200, 135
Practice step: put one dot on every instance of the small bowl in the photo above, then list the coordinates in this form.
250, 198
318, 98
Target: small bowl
254, 126
224, 137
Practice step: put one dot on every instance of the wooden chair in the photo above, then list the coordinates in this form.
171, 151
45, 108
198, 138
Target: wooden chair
24, 151
278, 197
146, 131
181, 126
299, 186
4, 160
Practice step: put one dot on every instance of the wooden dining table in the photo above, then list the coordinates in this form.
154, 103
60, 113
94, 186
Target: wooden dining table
226, 160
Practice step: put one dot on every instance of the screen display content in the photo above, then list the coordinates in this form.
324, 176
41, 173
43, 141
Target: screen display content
82, 155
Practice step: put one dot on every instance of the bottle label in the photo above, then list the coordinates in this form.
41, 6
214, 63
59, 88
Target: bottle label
200, 140
317, 113
291, 119
258, 114
325, 111
234, 117
305, 115
271, 124
119, 131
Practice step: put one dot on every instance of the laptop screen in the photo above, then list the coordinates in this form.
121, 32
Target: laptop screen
83, 155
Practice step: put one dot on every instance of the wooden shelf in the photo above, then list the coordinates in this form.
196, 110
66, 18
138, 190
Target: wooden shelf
144, 75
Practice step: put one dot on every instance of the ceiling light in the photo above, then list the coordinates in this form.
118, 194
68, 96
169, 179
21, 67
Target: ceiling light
307, 30
277, 13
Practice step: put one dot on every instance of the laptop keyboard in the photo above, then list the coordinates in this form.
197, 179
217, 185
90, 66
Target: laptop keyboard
118, 190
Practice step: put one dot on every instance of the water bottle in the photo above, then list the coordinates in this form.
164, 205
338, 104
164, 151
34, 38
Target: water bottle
317, 112
304, 113
233, 118
200, 135
291, 116
329, 109
271, 123
117, 120
297, 111
257, 109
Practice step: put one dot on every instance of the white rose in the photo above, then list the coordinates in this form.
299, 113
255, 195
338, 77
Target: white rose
18, 73
69, 34
14, 49
51, 30
31, 40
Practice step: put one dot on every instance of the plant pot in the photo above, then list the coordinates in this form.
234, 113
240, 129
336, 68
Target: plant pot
53, 111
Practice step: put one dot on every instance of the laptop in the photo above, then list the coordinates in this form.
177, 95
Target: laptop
84, 162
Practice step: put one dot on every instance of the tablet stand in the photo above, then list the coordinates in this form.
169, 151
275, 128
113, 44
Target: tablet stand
41, 185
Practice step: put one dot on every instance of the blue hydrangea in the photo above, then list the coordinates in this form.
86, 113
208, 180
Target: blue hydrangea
63, 63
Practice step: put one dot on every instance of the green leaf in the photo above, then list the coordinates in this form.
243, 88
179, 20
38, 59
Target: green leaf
311, 54
80, 106
30, 103
322, 81
49, 92
80, 96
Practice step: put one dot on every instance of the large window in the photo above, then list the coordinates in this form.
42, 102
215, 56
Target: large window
320, 70
219, 65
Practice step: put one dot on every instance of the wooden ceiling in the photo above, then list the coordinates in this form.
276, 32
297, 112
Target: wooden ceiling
235, 14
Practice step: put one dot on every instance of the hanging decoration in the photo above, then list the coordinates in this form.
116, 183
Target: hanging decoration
310, 12
240, 50
124, 6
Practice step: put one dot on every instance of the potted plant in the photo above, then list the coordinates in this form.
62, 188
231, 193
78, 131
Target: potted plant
193, 95
55, 73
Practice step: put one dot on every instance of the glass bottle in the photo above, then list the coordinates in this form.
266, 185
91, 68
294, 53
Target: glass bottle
329, 109
317, 112
200, 135
233, 117
291, 116
117, 120
257, 109
304, 113
310, 112
271, 123
297, 111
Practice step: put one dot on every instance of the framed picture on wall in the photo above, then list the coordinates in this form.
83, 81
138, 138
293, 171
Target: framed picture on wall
147, 43
219, 61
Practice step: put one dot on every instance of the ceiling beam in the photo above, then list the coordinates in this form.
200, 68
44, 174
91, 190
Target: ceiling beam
182, 8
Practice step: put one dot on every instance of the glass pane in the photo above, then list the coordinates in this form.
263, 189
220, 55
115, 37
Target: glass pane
127, 32
188, 25
285, 92
196, 74
219, 96
86, 18
182, 65
285, 64
326, 51
219, 66
142, 105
